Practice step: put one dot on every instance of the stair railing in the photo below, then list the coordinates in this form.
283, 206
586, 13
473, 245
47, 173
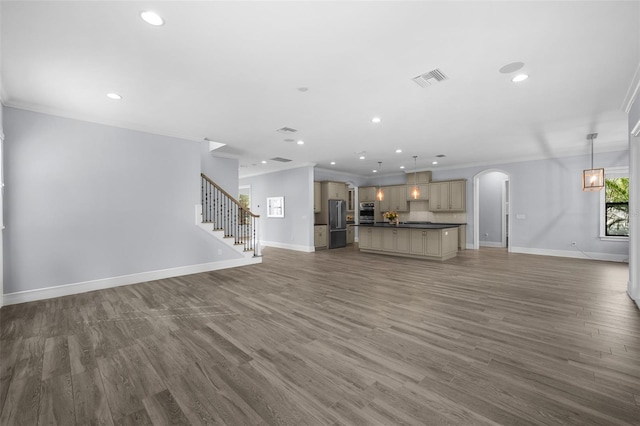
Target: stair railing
228, 215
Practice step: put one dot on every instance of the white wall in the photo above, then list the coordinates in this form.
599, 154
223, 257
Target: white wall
86, 202
633, 287
490, 223
556, 210
295, 230
1, 200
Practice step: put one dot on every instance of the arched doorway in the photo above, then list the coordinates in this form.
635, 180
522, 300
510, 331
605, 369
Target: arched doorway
497, 184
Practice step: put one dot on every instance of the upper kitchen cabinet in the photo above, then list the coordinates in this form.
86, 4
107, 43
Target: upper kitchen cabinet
335, 190
395, 198
448, 196
421, 180
366, 194
317, 197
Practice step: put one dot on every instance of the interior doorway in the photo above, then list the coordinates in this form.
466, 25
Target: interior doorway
491, 207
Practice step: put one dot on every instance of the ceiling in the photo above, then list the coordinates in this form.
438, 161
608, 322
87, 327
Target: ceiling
232, 72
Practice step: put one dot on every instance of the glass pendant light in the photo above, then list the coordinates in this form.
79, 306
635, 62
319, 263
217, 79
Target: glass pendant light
379, 192
592, 179
415, 191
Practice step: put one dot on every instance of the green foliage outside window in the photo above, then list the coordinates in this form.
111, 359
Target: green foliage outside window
617, 207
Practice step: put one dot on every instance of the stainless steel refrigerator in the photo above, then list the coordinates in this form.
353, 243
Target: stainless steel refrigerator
337, 223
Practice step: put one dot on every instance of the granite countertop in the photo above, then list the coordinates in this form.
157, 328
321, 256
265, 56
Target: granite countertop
412, 225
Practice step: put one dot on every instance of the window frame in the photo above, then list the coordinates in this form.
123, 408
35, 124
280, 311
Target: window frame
611, 172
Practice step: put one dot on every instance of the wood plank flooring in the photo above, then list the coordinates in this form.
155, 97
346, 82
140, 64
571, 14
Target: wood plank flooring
335, 337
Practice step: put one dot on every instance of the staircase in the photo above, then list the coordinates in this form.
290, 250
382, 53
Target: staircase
232, 222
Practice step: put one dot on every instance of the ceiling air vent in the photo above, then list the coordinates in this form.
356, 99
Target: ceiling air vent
280, 159
286, 130
429, 78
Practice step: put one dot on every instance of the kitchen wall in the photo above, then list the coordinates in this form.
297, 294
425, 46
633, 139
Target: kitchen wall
490, 209
295, 230
548, 207
86, 202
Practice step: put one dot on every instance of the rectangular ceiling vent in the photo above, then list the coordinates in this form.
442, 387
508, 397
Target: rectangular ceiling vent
429, 78
286, 130
280, 159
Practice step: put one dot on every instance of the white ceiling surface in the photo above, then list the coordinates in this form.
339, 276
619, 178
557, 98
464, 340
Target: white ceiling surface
229, 71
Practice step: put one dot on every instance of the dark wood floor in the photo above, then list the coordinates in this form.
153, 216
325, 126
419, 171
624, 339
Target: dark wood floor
334, 338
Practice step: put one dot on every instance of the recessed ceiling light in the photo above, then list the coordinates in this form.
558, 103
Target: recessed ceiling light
333, 163
152, 18
402, 167
434, 162
114, 96
520, 77
362, 157
398, 151
263, 162
374, 171
300, 142
375, 120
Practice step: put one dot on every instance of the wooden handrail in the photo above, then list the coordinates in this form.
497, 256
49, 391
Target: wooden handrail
236, 202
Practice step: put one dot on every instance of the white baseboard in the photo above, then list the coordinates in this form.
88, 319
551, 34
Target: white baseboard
306, 249
491, 244
83, 287
573, 254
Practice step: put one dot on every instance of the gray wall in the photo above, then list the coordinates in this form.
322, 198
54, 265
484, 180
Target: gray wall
223, 171
295, 230
491, 185
85, 201
548, 193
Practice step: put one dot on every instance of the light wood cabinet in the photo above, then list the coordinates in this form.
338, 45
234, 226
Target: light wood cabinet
398, 198
317, 197
376, 239
350, 234
424, 192
395, 240
366, 194
395, 198
320, 236
336, 190
402, 240
447, 196
438, 244
364, 238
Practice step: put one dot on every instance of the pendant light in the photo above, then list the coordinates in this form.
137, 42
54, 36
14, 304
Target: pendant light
592, 179
379, 192
415, 191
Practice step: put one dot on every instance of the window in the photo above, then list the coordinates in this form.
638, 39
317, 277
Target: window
615, 202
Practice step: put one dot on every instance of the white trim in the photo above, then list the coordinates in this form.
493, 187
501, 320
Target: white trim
611, 172
85, 286
573, 254
491, 244
632, 92
615, 239
635, 132
476, 207
295, 247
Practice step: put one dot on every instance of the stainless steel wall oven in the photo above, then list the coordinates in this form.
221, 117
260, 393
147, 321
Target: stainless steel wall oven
367, 213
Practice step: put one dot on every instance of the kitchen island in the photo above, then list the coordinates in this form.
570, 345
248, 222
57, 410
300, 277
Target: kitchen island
433, 241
